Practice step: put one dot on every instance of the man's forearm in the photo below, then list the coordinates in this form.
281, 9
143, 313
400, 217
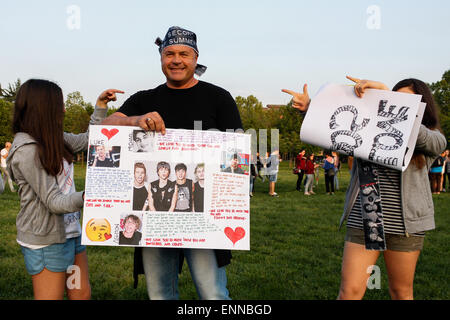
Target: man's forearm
120, 119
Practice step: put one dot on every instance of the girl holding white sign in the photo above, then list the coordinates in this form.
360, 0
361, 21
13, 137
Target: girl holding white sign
405, 205
41, 163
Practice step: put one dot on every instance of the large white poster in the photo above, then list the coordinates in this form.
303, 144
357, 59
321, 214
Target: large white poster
184, 189
381, 127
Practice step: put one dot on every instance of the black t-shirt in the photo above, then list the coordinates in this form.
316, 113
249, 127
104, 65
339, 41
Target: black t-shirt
179, 108
162, 197
105, 163
102, 163
139, 197
134, 240
198, 197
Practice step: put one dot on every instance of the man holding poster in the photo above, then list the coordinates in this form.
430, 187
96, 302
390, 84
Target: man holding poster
179, 103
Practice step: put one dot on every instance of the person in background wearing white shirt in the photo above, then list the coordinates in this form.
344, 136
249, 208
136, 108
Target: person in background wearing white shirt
4, 155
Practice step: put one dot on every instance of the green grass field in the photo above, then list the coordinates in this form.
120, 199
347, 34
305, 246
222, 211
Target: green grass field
296, 251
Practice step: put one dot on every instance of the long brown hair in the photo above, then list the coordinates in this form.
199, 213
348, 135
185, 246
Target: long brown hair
431, 115
39, 111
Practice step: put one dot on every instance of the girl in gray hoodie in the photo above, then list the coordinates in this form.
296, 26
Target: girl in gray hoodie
41, 163
406, 202
405, 196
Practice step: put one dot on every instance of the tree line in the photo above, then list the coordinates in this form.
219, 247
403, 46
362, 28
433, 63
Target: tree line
286, 119
76, 117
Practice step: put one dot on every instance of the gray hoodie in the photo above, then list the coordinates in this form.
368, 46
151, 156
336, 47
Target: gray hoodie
417, 202
40, 220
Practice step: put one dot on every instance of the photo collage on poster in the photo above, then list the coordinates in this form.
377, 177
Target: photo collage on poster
187, 188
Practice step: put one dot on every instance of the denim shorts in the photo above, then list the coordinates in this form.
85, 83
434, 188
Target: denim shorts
56, 257
394, 242
273, 177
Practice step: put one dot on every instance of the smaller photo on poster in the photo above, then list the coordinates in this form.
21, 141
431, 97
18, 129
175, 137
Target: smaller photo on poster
235, 162
130, 229
104, 156
142, 141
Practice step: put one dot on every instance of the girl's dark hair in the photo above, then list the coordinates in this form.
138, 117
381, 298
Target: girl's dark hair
431, 115
39, 111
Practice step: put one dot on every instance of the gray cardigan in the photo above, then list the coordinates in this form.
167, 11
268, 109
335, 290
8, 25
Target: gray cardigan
417, 202
40, 220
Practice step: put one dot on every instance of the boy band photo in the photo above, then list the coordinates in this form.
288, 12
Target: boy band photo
161, 186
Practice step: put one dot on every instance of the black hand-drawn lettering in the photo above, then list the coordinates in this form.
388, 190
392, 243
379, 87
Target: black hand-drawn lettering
390, 131
352, 133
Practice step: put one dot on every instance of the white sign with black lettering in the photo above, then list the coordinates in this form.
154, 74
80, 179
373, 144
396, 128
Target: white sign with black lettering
381, 127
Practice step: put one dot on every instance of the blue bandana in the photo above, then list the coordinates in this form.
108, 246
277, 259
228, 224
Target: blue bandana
177, 35
180, 36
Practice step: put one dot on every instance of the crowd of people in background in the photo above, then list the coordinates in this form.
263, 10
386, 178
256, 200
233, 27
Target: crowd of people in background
309, 166
307, 169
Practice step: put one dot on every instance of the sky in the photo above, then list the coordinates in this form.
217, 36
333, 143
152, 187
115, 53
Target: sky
251, 47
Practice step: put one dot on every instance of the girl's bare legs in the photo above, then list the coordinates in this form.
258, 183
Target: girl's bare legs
354, 274
48, 285
401, 267
82, 289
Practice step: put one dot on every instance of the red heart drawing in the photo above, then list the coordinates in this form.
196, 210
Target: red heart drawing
107, 236
109, 133
234, 235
